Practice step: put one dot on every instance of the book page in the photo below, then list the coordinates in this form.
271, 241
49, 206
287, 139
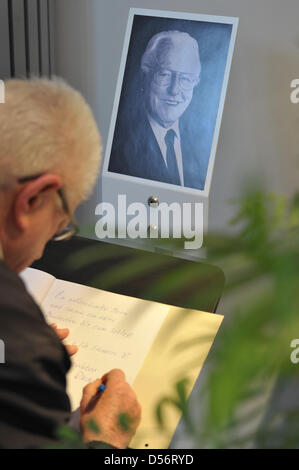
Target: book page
38, 283
178, 353
111, 331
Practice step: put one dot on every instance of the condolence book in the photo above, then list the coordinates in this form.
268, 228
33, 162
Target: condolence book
155, 344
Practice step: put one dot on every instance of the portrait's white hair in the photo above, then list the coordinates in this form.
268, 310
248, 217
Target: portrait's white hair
163, 41
47, 126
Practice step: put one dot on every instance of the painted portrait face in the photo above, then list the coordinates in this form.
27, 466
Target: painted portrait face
170, 84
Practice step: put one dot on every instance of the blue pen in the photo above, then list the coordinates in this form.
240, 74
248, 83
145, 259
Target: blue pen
101, 388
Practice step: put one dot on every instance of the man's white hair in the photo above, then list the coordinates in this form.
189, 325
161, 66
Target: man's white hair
162, 42
47, 126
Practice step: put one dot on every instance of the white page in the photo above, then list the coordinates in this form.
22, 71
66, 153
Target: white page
111, 331
38, 283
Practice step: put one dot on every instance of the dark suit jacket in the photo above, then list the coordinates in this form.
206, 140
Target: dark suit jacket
33, 400
135, 152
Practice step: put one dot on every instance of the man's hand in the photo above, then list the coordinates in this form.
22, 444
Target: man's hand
106, 409
62, 334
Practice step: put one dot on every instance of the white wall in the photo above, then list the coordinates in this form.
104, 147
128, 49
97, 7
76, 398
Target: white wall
259, 135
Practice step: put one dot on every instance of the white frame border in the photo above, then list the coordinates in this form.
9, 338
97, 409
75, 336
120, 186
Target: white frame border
183, 16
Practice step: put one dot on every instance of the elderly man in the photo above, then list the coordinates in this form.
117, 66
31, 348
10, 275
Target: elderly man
155, 144
49, 158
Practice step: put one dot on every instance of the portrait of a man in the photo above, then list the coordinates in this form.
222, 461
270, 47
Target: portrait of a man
163, 130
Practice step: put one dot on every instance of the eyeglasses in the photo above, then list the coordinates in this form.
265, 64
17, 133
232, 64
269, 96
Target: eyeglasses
187, 81
72, 228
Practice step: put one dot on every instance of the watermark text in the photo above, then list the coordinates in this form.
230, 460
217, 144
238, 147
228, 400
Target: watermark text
2, 352
137, 220
2, 92
295, 354
294, 97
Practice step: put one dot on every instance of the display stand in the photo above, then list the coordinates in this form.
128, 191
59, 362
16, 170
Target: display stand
165, 76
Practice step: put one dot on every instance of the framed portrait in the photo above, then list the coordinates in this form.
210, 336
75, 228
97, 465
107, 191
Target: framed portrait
169, 100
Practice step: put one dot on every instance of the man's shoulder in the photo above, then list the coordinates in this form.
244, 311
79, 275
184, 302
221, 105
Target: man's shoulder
14, 297
22, 324
32, 393
8, 276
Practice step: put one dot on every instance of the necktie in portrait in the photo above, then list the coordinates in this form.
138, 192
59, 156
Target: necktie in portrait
172, 165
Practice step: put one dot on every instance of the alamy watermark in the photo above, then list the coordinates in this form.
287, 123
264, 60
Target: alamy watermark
2, 92
294, 96
295, 354
137, 220
2, 352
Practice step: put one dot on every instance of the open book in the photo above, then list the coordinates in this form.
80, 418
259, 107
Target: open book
154, 344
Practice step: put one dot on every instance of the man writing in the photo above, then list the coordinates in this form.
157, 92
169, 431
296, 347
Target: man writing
49, 159
155, 144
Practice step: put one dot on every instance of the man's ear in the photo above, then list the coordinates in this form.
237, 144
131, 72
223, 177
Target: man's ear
33, 195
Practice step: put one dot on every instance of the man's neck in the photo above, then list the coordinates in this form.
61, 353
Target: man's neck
161, 129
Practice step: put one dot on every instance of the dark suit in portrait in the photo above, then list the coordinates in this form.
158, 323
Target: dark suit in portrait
136, 152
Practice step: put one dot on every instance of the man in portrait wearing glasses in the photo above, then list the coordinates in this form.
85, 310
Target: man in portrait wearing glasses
155, 143
49, 159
